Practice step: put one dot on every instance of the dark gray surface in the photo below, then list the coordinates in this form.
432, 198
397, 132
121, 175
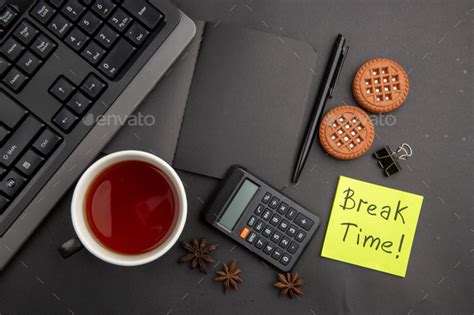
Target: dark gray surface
248, 104
433, 41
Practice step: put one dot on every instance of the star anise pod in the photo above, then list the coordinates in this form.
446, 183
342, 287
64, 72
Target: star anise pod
289, 284
198, 253
230, 276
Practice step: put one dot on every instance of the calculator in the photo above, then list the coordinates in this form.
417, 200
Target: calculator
261, 218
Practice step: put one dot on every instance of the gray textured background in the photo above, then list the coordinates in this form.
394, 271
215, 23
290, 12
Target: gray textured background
433, 41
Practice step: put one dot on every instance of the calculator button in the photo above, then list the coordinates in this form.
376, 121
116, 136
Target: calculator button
283, 225
245, 231
259, 209
303, 221
291, 213
252, 237
275, 220
285, 241
285, 259
292, 230
260, 243
293, 247
274, 203
266, 215
300, 236
266, 198
277, 254
259, 226
268, 249
276, 237
267, 231
252, 221
282, 208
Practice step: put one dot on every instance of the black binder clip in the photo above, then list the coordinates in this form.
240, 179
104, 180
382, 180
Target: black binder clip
388, 159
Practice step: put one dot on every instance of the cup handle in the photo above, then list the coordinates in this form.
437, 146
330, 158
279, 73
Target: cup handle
70, 247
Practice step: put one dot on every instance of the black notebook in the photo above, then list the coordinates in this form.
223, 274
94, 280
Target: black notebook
237, 96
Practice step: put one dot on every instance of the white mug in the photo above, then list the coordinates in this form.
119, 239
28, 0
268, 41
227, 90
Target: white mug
80, 223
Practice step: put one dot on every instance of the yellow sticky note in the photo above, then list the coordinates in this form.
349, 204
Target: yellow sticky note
372, 226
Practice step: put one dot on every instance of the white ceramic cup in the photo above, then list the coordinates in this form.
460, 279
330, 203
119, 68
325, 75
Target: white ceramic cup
79, 217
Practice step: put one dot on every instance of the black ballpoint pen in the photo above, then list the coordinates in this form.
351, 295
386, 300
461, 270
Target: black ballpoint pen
326, 90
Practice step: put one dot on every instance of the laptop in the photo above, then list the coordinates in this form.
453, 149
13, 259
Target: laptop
64, 64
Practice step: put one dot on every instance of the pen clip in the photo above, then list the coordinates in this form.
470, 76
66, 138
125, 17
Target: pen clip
340, 63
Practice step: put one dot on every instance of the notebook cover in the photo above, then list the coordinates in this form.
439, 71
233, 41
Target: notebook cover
248, 104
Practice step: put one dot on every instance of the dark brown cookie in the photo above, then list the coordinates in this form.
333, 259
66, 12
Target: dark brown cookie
380, 85
346, 132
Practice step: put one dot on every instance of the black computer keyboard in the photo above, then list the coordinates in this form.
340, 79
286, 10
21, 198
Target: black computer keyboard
61, 60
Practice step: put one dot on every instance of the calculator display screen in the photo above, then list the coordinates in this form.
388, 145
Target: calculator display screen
238, 204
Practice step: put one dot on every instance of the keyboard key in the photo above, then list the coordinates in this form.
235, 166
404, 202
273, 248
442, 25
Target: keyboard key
252, 237
283, 225
87, 2
4, 66
4, 133
57, 3
143, 12
291, 213
300, 236
137, 34
245, 231
267, 214
274, 203
93, 86
259, 226
292, 230
3, 204
62, 89
285, 241
120, 20
276, 237
12, 184
76, 39
275, 220
43, 12
106, 36
282, 208
46, 142
3, 171
65, 120
29, 163
252, 221
103, 7
15, 80
7, 16
117, 58
293, 247
268, 249
43, 47
285, 259
73, 10
60, 26
266, 198
90, 23
18, 141
259, 209
29, 63
267, 232
260, 243
12, 49
25, 33
277, 254
303, 222
93, 53
10, 112
79, 103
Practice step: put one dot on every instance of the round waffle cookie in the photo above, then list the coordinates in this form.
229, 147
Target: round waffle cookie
346, 132
380, 85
